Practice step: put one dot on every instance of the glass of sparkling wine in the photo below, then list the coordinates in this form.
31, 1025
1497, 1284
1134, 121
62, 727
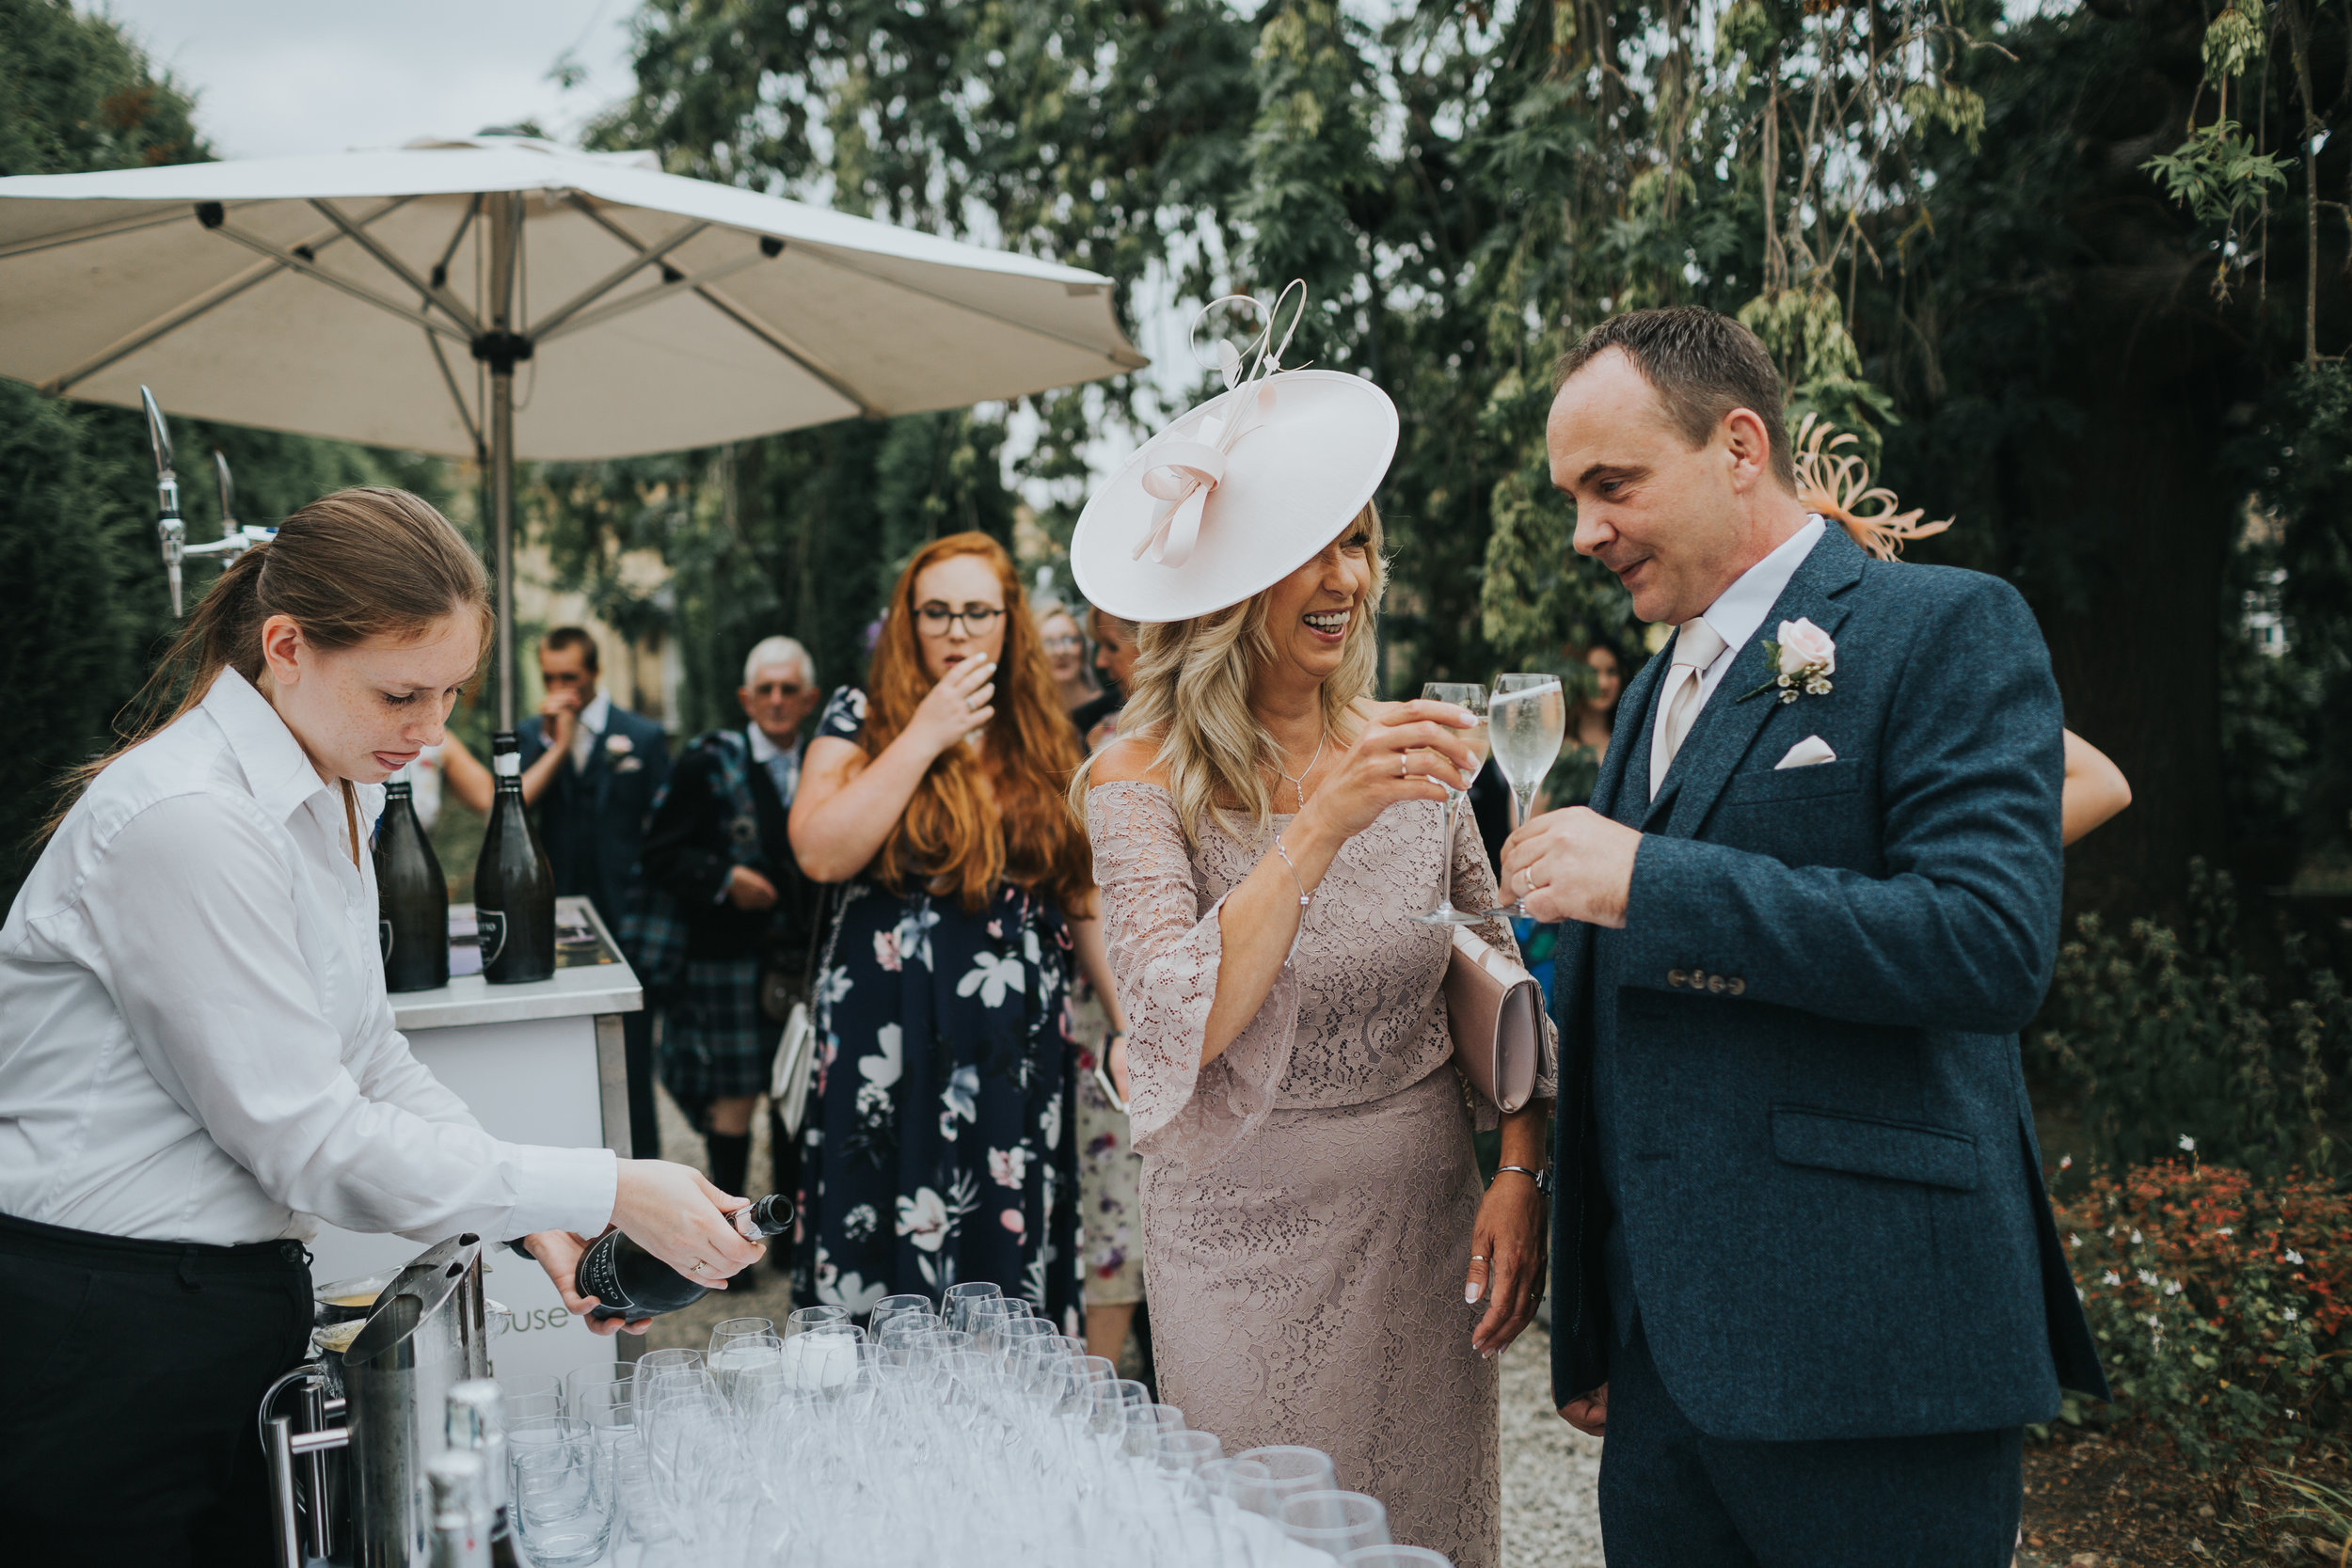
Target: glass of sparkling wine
1528, 717
1473, 697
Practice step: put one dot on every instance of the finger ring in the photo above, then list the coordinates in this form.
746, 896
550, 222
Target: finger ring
1400, 769
1478, 1257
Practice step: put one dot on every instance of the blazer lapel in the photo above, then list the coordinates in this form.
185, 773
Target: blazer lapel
1727, 726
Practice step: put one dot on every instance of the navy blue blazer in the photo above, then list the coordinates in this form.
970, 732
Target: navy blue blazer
1799, 1058
592, 820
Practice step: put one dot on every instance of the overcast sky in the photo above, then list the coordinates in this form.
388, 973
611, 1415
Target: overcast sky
278, 76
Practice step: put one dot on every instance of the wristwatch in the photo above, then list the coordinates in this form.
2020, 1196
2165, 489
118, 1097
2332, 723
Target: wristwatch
1541, 1178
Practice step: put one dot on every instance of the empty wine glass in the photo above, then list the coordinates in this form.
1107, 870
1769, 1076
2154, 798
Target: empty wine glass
1334, 1523
725, 1331
1291, 1470
1473, 697
588, 1388
891, 1308
1527, 718
956, 1309
1245, 1483
1182, 1449
1396, 1557
561, 1498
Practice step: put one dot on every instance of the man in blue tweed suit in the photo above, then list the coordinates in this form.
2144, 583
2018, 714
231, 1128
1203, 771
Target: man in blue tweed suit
1807, 1284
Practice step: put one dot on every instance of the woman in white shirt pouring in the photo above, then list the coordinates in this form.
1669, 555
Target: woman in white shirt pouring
196, 1054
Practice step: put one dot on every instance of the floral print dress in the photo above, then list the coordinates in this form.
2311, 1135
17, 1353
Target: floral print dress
939, 1145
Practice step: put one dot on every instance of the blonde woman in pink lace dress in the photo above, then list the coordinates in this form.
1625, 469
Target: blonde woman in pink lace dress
1322, 1265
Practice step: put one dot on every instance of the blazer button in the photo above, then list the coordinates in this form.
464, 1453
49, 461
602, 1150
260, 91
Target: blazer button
1674, 978
1715, 984
1698, 980
1737, 987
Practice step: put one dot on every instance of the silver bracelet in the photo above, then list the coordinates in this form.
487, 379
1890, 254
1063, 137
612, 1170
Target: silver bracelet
1305, 899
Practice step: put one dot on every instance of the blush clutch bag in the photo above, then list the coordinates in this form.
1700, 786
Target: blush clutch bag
1495, 1011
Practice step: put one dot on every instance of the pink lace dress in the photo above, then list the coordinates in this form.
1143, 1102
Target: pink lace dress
1307, 1196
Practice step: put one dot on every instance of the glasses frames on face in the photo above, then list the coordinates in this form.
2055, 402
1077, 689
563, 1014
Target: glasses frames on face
976, 618
778, 688
1065, 646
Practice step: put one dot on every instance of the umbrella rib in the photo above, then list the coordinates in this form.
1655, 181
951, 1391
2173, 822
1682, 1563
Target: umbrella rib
449, 379
743, 318
1128, 360
400, 269
643, 297
172, 320
292, 262
542, 330
96, 231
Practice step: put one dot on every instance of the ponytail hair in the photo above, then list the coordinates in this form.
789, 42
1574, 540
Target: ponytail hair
349, 567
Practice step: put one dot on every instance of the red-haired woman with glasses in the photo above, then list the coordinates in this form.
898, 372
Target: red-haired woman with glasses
939, 1150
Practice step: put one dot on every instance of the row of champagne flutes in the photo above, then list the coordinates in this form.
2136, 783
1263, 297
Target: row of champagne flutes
966, 1429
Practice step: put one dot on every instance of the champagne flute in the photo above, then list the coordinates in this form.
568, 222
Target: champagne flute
1473, 697
1529, 718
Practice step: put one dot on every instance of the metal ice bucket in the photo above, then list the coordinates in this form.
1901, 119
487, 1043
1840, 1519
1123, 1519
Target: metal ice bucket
426, 1333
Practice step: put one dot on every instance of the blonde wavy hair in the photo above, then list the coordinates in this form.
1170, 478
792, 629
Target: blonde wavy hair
1190, 692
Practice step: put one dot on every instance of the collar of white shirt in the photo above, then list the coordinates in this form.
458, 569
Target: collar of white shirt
1739, 614
275, 768
764, 750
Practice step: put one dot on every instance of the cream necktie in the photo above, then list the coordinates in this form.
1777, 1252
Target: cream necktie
1697, 647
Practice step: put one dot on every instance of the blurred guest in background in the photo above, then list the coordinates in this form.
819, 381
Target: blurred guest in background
1114, 660
720, 847
1591, 713
1065, 648
593, 768
941, 1133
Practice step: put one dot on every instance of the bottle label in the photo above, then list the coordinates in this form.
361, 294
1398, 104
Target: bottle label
507, 765
492, 925
384, 937
596, 1276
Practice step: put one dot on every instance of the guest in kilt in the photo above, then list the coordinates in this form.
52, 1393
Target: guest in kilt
941, 1142
730, 921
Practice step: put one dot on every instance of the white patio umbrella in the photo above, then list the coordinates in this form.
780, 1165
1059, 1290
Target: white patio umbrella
498, 296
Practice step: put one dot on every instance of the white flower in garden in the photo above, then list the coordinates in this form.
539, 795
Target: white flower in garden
2171, 1287
2074, 1240
2065, 1160
2294, 1257
992, 976
2135, 1237
923, 1219
2290, 1315
2224, 1231
2189, 1145
881, 1069
2114, 1278
2147, 1278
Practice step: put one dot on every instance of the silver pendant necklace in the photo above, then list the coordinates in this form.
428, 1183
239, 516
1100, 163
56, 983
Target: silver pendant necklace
1299, 783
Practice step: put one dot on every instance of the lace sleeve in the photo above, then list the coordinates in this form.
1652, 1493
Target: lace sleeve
1474, 889
1165, 950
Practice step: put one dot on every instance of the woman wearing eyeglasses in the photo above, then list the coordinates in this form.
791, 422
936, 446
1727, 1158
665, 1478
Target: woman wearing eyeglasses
940, 1149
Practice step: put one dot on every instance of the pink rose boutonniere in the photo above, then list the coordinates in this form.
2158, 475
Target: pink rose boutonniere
1803, 656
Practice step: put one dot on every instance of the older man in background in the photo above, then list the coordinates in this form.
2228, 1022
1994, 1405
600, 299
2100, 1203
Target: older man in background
718, 849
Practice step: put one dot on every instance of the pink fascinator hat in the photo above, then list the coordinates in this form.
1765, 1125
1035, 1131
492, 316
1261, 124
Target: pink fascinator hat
1239, 491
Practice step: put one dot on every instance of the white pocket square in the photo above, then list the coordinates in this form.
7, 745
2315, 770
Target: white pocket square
1807, 753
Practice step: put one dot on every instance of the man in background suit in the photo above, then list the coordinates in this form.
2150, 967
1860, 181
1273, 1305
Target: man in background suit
592, 767
1808, 1286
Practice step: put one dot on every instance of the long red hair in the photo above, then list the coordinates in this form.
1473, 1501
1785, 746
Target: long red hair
959, 833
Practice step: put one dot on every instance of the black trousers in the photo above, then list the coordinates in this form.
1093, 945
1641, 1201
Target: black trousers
130, 1379
1671, 1496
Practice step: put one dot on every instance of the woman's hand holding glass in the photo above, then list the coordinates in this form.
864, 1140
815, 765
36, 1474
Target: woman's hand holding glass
1406, 752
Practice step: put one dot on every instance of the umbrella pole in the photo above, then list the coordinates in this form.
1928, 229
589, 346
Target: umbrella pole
497, 347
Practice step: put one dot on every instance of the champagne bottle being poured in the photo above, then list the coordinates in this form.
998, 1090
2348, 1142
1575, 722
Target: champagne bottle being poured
628, 1282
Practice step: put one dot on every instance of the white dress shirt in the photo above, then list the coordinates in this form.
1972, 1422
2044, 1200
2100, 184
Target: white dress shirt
195, 1041
783, 767
1737, 614
590, 729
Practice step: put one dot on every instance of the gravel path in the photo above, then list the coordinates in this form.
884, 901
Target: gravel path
1549, 1469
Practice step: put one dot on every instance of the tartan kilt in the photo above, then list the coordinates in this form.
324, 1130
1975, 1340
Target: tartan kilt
716, 1045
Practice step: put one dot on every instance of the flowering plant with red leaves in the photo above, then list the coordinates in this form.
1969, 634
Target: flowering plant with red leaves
2220, 1303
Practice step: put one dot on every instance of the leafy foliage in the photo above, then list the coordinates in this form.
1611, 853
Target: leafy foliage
2219, 1303
2158, 1036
